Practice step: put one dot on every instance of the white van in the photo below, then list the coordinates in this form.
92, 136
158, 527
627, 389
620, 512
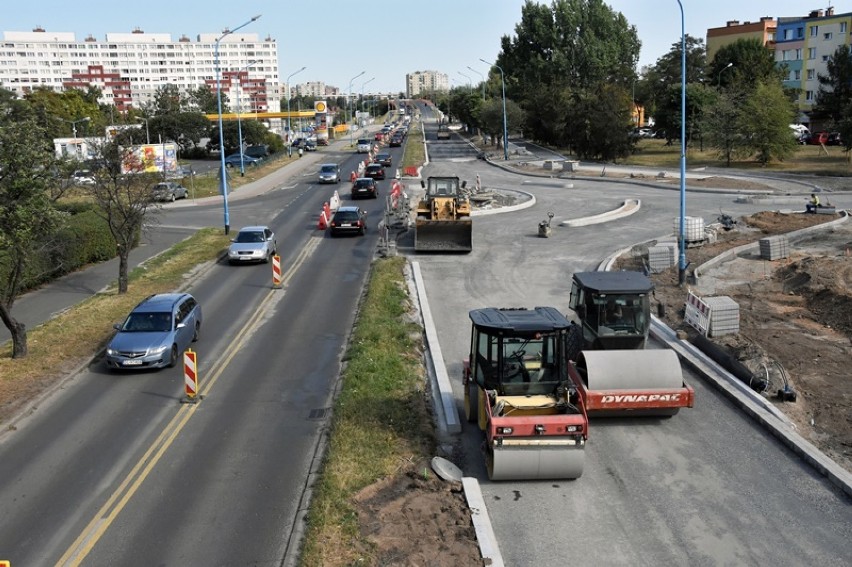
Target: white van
364, 146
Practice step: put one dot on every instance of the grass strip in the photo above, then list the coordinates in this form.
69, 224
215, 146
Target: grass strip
380, 422
60, 345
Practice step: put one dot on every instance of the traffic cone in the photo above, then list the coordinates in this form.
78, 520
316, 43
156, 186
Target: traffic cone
323, 221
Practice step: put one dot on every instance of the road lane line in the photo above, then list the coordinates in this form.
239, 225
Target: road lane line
102, 520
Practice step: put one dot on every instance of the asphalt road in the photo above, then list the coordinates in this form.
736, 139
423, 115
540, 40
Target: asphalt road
113, 470
707, 487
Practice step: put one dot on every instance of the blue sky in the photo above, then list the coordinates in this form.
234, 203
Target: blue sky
337, 39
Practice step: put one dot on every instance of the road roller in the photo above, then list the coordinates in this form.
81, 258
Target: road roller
518, 390
609, 365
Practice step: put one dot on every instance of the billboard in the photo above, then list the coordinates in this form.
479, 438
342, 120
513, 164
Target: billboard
151, 158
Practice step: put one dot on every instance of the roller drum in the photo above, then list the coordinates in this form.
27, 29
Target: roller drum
632, 369
519, 462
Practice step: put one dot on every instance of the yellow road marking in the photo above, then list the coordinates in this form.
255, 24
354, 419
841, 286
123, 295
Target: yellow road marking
95, 529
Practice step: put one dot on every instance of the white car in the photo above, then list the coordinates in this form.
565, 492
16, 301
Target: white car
252, 244
364, 146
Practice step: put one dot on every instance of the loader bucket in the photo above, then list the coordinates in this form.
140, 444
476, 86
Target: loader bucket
443, 235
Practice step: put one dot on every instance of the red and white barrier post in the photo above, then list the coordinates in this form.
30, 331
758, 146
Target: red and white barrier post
190, 377
276, 271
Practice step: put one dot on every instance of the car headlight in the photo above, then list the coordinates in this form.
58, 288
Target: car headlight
158, 350
111, 351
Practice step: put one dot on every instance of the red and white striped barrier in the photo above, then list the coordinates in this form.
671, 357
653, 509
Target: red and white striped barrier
190, 376
697, 313
276, 271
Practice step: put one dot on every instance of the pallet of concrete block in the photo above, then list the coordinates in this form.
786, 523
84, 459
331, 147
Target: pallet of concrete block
774, 247
724, 315
662, 256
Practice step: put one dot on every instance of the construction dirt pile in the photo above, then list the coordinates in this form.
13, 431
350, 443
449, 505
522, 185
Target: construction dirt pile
795, 317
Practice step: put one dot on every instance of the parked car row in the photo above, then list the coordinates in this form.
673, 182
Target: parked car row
824, 138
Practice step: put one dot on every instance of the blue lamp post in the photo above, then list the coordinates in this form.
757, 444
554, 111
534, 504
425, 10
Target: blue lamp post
505, 128
223, 184
681, 274
289, 129
240, 120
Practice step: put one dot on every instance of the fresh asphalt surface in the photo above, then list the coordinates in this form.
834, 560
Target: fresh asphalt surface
707, 487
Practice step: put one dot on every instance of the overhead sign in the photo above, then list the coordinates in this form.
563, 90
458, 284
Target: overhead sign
320, 106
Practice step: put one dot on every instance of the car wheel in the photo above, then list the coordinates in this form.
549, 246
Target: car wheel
197, 331
173, 358
362, 231
172, 197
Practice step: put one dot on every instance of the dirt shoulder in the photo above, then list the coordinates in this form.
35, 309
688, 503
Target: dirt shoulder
795, 318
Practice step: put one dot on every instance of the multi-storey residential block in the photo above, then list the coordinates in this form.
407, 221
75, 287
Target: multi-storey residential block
803, 47
764, 30
129, 67
421, 82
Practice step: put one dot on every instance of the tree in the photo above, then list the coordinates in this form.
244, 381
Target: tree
124, 200
721, 125
203, 99
27, 216
253, 133
664, 81
835, 89
491, 116
766, 117
752, 63
599, 122
569, 43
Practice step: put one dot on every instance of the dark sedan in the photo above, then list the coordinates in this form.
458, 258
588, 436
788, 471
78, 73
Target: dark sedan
375, 171
384, 159
365, 187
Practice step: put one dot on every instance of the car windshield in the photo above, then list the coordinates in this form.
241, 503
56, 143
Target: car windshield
364, 183
249, 236
328, 169
148, 323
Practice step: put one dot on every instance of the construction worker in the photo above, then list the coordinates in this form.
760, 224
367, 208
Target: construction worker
812, 206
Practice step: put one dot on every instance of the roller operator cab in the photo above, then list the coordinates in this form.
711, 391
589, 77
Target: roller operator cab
518, 390
609, 364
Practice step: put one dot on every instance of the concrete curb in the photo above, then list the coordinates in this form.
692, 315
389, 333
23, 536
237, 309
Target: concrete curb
448, 401
792, 236
488, 547
629, 207
754, 405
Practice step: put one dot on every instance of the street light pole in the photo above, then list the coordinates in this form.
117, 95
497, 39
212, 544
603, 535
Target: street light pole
362, 88
483, 80
349, 101
240, 118
466, 77
289, 129
223, 184
505, 126
147, 134
719, 81
682, 235
75, 122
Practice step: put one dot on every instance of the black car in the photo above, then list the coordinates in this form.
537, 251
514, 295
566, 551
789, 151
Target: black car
396, 141
375, 170
348, 220
365, 187
310, 145
384, 159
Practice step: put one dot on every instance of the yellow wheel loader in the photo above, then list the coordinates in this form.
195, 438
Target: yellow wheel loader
443, 222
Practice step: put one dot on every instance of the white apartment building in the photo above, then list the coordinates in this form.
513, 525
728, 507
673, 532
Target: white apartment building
421, 82
129, 67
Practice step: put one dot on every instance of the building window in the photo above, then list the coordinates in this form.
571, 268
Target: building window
797, 75
809, 96
799, 54
811, 74
814, 31
842, 27
825, 58
811, 53
826, 36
